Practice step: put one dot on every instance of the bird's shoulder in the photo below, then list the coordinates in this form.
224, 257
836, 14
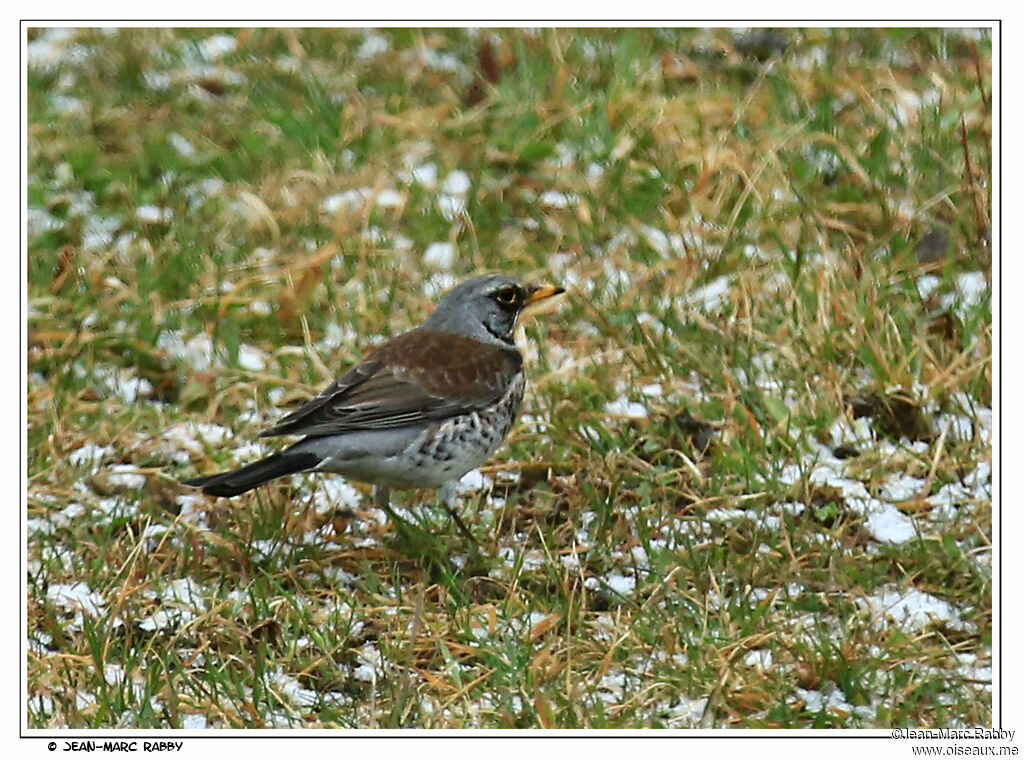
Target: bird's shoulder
447, 364
415, 377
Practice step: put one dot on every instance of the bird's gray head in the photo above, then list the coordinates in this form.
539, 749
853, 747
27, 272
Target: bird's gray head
486, 308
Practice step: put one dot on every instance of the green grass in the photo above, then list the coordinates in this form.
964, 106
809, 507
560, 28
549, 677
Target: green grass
204, 223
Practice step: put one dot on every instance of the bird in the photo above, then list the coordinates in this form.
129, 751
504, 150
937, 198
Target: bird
420, 410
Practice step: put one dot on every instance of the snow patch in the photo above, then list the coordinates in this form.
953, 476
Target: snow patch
625, 408
440, 255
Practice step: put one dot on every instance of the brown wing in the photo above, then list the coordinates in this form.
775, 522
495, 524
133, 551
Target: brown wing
418, 377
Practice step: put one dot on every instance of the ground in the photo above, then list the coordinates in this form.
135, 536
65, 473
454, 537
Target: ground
751, 484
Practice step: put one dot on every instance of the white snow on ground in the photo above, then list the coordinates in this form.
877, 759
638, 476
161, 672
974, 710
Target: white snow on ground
162, 619
899, 486
666, 245
196, 351
457, 182
350, 199
389, 198
683, 712
186, 592
77, 598
883, 520
290, 688
125, 476
181, 145
334, 492
114, 674
454, 194
910, 610
89, 453
926, 285
653, 390
59, 519
970, 290
335, 335
472, 482
119, 382
425, 175
438, 284
620, 584
710, 296
558, 200
513, 557
218, 45
623, 407
980, 480
251, 358
182, 441
180, 601
889, 525
856, 432
373, 45
49, 48
831, 698
371, 663
153, 214
440, 255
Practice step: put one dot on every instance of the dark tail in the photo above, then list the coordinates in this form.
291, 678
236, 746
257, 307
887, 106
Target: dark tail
235, 482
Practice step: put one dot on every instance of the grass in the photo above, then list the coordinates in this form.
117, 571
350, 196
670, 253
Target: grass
748, 487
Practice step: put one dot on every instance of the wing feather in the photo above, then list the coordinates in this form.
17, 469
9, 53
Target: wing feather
419, 377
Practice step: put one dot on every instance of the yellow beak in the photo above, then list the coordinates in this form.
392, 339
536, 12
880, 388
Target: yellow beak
538, 293
539, 300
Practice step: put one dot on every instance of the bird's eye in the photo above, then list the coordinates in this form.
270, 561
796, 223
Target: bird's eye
507, 296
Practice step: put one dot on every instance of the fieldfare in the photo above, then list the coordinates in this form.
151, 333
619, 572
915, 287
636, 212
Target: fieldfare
421, 410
